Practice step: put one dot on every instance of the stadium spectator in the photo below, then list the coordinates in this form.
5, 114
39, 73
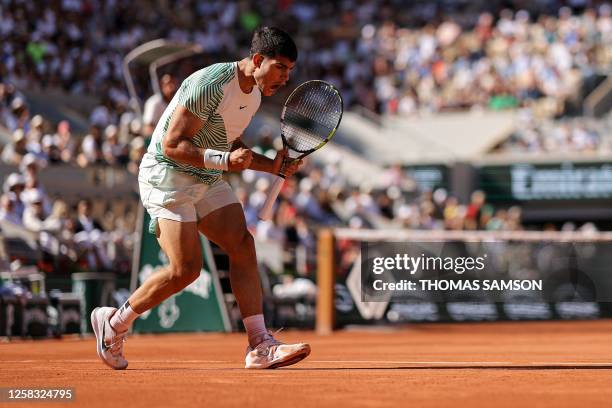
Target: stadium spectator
389, 59
157, 103
14, 152
50, 151
102, 115
250, 212
307, 203
30, 170
19, 115
91, 148
90, 239
137, 151
473, 213
56, 222
114, 152
34, 214
534, 135
397, 61
419, 59
8, 212
65, 142
14, 185
35, 136
85, 221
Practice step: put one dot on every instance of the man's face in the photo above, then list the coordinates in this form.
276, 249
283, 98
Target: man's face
271, 73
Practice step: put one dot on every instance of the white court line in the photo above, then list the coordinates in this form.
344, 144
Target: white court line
534, 363
381, 362
131, 361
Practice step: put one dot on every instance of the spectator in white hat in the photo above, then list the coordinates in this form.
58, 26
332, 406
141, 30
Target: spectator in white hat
14, 152
137, 151
7, 209
35, 135
114, 152
29, 168
15, 184
91, 152
19, 118
34, 214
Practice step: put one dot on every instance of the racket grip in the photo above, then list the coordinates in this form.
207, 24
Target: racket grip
266, 211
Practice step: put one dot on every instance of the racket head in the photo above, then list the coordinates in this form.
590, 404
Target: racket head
310, 117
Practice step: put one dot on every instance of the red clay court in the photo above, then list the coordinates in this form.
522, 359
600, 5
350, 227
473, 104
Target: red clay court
544, 364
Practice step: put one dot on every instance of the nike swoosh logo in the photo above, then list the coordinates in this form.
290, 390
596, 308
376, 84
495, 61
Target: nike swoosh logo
242, 107
216, 155
104, 346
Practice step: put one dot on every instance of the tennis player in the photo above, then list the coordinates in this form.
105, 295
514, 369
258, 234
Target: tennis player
195, 141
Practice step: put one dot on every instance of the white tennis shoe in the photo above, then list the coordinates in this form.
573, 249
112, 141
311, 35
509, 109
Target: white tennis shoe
271, 353
109, 343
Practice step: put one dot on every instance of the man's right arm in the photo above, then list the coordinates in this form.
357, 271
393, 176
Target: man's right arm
178, 145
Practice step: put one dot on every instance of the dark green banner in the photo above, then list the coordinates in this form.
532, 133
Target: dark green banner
560, 181
429, 177
199, 307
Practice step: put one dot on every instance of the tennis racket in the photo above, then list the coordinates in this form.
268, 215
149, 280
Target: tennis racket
309, 120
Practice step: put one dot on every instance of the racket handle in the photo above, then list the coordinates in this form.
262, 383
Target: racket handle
266, 211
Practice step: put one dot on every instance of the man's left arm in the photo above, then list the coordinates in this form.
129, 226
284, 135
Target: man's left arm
259, 162
263, 163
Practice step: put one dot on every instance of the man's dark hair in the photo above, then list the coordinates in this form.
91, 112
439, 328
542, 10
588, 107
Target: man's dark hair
272, 42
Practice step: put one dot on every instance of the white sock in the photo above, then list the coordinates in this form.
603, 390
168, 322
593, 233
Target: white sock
256, 328
123, 318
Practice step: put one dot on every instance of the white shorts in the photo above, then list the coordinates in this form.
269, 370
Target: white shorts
173, 195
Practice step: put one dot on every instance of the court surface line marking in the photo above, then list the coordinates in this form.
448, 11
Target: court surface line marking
381, 362
463, 362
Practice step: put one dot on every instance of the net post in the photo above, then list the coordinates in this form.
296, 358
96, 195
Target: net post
326, 278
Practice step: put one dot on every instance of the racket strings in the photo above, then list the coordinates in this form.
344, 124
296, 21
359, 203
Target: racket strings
303, 138
310, 117
323, 105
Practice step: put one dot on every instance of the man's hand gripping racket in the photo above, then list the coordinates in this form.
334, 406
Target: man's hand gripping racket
309, 120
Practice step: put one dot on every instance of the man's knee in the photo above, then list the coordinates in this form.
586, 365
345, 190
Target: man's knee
181, 275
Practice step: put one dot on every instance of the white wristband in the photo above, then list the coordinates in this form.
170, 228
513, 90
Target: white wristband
216, 159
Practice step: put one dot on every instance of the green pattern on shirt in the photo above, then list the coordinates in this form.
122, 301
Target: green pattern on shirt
201, 94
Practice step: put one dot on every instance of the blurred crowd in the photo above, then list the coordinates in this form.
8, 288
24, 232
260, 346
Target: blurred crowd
69, 238
319, 195
111, 144
569, 135
498, 61
386, 56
